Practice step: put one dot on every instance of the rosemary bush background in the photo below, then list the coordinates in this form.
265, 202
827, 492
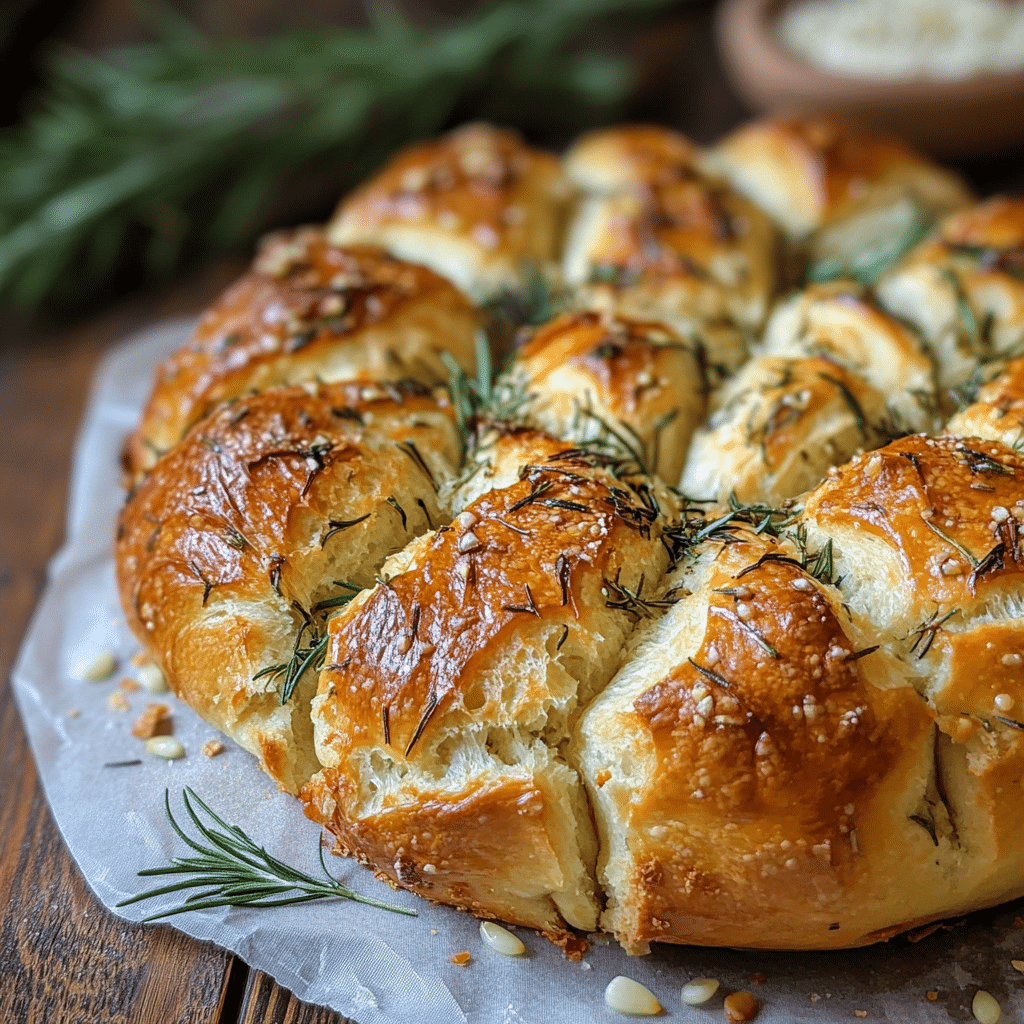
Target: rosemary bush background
148, 155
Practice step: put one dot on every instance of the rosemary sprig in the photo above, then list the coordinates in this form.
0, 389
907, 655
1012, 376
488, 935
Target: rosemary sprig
868, 265
146, 154
232, 871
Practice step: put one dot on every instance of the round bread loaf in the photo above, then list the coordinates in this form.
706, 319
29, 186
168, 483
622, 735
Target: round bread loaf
501, 657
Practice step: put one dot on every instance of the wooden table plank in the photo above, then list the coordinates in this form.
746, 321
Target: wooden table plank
266, 1002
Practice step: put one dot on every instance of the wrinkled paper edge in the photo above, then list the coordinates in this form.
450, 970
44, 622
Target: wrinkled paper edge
374, 967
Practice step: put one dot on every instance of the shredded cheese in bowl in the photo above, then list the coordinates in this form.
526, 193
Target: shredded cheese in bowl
936, 39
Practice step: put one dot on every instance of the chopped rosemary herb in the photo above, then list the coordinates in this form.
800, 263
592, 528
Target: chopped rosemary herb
232, 871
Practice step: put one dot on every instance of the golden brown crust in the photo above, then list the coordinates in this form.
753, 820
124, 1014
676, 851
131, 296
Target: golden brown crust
778, 427
307, 311
937, 506
588, 377
621, 158
460, 673
997, 414
808, 173
963, 289
765, 755
235, 537
477, 205
689, 252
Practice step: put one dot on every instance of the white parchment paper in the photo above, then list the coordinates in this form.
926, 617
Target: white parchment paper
375, 967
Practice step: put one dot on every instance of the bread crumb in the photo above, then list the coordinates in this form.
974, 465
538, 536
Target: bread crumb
1017, 965
860, 1013
117, 702
1018, 922
129, 685
138, 659
757, 978
149, 722
74, 712
931, 996
463, 958
211, 748
814, 997
433, 931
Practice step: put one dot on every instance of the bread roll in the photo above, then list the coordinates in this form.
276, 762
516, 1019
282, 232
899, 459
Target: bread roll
631, 387
963, 289
657, 240
840, 322
306, 311
450, 688
997, 414
750, 776
777, 427
477, 206
240, 542
838, 193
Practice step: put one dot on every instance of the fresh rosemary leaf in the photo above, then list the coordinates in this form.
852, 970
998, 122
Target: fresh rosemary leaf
148, 154
232, 871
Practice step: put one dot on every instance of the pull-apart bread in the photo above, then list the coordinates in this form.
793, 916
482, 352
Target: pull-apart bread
701, 621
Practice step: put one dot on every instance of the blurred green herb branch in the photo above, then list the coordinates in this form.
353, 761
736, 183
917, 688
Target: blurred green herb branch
149, 153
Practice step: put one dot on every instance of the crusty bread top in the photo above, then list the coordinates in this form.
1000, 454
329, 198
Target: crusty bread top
947, 512
307, 310
633, 386
622, 158
997, 413
229, 546
477, 205
513, 554
810, 172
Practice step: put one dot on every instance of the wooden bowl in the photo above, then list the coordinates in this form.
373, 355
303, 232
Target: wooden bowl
966, 117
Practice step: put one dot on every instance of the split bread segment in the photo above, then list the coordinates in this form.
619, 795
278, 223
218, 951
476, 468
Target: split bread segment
817, 746
962, 289
239, 544
628, 386
450, 689
997, 412
307, 311
847, 201
478, 206
654, 238
833, 375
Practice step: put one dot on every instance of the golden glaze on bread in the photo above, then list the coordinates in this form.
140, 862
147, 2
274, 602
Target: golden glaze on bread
963, 288
776, 428
811, 175
747, 771
477, 205
629, 386
840, 322
449, 689
307, 311
655, 239
997, 414
240, 531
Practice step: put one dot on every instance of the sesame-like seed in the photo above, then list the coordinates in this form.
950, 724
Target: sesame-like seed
985, 1008
1000, 514
501, 940
743, 611
628, 996
166, 747
469, 541
1004, 702
1012, 659
951, 567
1017, 965
99, 667
699, 991
152, 679
802, 583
